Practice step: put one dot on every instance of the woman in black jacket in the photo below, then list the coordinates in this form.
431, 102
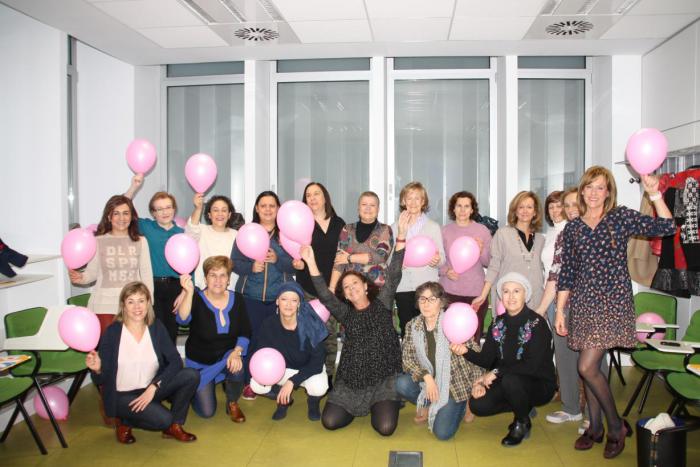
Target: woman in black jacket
138, 366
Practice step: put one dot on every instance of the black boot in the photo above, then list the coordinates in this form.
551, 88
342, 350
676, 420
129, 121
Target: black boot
314, 412
281, 411
519, 431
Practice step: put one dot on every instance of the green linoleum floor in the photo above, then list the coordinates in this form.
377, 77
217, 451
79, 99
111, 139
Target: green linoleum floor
296, 441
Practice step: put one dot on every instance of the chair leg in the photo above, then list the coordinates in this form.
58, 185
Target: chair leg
32, 429
617, 362
672, 407
646, 375
646, 391
75, 386
56, 428
11, 422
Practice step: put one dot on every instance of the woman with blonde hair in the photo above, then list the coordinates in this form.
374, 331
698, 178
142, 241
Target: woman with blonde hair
595, 281
517, 247
138, 367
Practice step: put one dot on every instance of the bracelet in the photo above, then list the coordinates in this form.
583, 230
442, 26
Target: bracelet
349, 256
655, 197
400, 240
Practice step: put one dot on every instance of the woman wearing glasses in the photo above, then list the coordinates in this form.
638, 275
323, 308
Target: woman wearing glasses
167, 294
436, 380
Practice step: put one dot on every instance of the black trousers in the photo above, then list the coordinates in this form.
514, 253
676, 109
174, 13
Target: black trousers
513, 393
406, 308
165, 293
179, 391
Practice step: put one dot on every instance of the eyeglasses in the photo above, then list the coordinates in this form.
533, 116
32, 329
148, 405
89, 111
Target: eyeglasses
423, 300
167, 208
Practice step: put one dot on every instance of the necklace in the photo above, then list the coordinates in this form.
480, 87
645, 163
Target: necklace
527, 255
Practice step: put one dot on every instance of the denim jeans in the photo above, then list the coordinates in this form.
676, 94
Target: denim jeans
448, 418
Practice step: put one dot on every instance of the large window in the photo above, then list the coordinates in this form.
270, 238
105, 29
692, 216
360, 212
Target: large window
323, 135
206, 119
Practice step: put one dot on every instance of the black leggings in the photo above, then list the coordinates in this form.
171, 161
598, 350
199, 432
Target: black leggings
164, 295
385, 417
513, 393
406, 308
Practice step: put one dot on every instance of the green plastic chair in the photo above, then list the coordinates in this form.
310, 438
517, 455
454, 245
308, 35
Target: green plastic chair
654, 362
79, 300
15, 390
685, 388
664, 306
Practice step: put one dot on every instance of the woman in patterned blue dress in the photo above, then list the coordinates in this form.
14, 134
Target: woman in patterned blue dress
595, 280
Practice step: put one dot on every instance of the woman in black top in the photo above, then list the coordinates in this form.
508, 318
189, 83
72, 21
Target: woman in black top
219, 337
518, 351
324, 241
371, 358
298, 334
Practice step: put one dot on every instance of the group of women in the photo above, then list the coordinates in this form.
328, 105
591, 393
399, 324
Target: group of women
356, 271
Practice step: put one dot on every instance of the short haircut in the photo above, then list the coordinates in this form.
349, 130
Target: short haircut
436, 289
161, 195
453, 202
417, 186
216, 262
133, 288
372, 288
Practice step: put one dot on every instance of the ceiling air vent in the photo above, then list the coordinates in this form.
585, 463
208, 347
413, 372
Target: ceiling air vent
569, 28
256, 34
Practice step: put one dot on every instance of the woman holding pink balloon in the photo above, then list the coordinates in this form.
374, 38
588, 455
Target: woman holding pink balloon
424, 236
365, 382
437, 380
138, 367
160, 229
518, 353
218, 339
215, 238
122, 257
595, 283
298, 334
259, 279
468, 244
517, 247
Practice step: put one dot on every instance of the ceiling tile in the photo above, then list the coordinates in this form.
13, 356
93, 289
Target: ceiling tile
498, 8
409, 8
665, 7
656, 26
332, 31
319, 10
149, 13
410, 30
184, 37
501, 29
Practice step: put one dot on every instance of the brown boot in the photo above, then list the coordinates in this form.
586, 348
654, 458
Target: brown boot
235, 412
124, 435
176, 431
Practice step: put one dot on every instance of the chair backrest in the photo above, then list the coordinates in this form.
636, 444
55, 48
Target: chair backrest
693, 332
662, 305
488, 319
79, 300
24, 322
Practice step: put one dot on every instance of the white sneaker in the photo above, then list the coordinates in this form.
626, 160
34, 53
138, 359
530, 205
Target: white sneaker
583, 427
560, 417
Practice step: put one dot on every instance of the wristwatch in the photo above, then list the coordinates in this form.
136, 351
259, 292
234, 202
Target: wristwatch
349, 262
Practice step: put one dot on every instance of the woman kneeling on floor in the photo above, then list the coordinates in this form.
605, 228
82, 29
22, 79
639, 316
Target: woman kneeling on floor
518, 350
298, 334
138, 366
436, 380
219, 337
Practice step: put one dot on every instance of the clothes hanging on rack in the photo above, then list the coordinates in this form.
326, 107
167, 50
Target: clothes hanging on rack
641, 261
679, 263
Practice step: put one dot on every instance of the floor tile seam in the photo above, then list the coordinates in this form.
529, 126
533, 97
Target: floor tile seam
262, 440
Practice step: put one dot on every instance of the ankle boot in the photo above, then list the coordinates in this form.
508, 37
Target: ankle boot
314, 408
520, 430
123, 432
235, 412
176, 431
281, 411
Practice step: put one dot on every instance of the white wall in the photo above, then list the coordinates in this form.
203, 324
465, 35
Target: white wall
671, 88
32, 131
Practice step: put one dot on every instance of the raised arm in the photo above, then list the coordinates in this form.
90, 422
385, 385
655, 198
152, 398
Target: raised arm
185, 309
338, 309
393, 272
136, 183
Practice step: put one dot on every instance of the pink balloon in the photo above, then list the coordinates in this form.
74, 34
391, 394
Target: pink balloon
200, 172
267, 366
58, 402
180, 221
182, 253
290, 246
296, 221
500, 308
646, 150
464, 253
459, 323
92, 228
79, 328
253, 241
320, 309
419, 251
140, 156
650, 317
78, 247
